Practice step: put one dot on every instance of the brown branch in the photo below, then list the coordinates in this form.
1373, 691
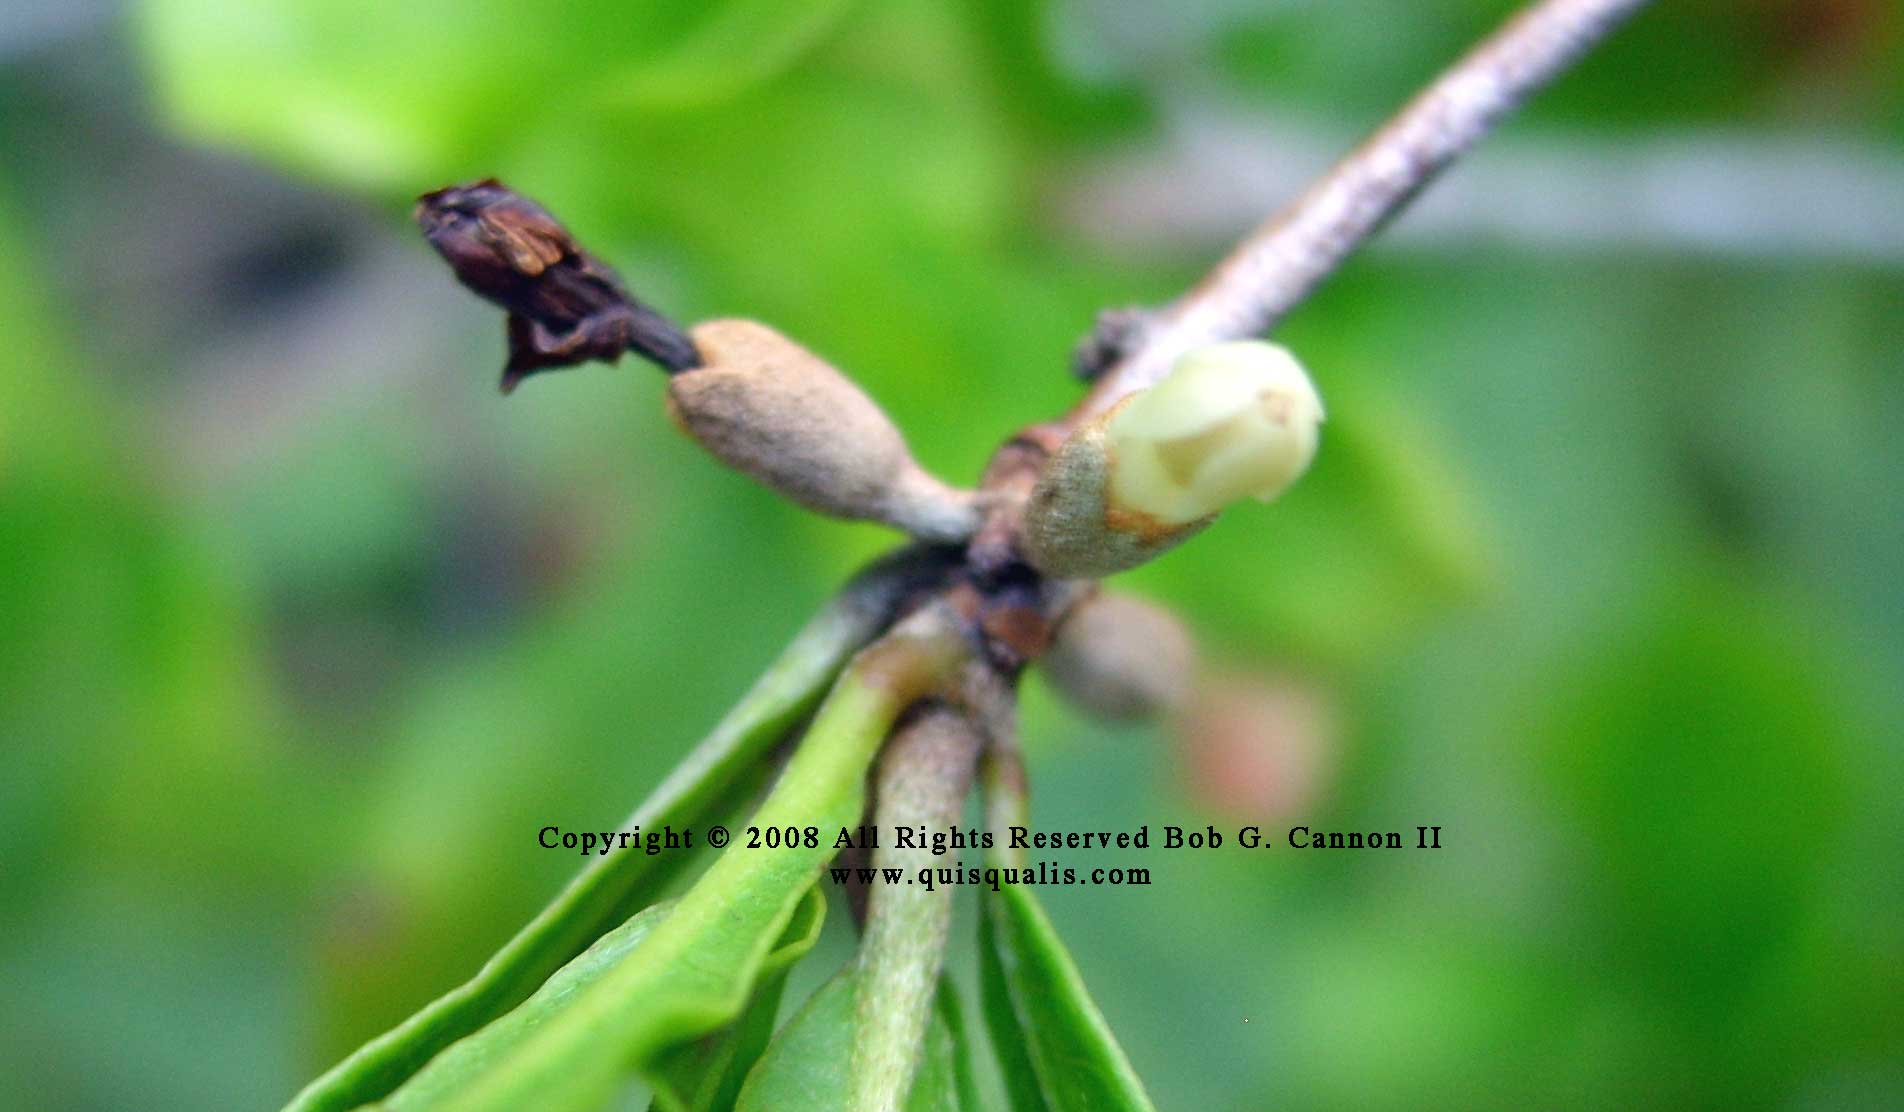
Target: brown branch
1278, 266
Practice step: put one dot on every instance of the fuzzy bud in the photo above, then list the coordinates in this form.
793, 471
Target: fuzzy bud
1231, 420
1120, 658
766, 406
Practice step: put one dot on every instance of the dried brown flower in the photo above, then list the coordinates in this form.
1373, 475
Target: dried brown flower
565, 306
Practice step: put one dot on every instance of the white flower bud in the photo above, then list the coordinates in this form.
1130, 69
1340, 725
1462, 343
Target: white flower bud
1231, 420
1120, 658
769, 407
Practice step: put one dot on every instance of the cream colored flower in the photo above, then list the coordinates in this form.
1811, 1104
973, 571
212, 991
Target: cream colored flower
1232, 420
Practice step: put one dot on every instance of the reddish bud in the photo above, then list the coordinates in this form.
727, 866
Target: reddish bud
1259, 749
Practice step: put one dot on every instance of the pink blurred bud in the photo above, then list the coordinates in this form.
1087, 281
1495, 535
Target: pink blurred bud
1259, 749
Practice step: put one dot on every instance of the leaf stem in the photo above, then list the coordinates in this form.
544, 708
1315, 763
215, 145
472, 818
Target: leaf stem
924, 777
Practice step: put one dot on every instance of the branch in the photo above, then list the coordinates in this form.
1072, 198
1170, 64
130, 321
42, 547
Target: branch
923, 779
1278, 266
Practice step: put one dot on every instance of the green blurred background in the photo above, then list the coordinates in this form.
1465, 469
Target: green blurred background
304, 632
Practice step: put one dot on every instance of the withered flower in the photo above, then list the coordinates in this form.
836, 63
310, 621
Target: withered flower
565, 306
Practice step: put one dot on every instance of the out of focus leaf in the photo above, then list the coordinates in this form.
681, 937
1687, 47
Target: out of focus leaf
389, 95
126, 655
1035, 998
740, 43
806, 1067
1702, 60
1645, 746
1015, 37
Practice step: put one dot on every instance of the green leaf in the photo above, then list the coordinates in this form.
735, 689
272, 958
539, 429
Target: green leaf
806, 1069
389, 95
964, 1072
1043, 1023
613, 886
740, 44
1042, 93
707, 1076
505, 1036
698, 968
1001, 1022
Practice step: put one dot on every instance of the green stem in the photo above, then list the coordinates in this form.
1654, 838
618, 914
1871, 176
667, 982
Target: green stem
614, 886
923, 780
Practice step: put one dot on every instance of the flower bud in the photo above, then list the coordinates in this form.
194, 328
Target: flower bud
1231, 420
1120, 658
1261, 749
769, 407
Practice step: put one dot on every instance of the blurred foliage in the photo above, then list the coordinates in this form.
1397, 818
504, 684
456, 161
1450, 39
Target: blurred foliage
1599, 559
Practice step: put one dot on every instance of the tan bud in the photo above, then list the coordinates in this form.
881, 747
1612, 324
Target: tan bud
1120, 658
766, 406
